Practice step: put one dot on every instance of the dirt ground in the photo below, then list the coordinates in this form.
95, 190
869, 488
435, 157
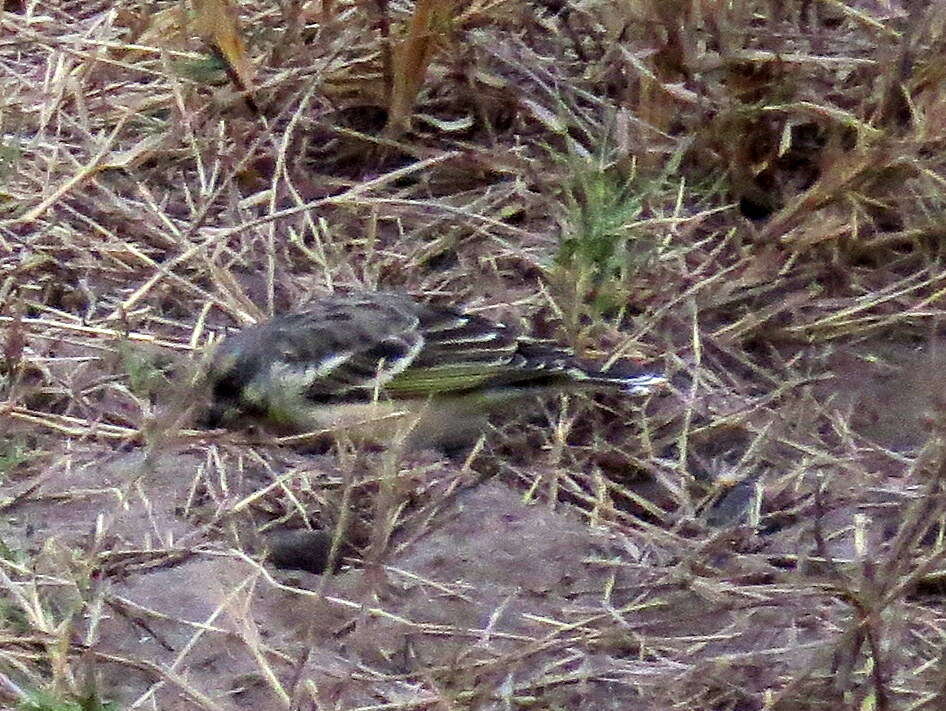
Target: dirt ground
747, 195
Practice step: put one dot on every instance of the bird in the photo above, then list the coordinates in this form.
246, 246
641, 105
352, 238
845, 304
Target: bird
380, 364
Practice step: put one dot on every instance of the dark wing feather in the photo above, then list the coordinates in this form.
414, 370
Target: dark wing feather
460, 352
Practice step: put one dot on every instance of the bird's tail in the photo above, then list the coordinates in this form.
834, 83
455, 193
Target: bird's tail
641, 382
561, 364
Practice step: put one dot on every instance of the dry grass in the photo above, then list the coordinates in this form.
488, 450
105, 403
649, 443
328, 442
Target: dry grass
749, 191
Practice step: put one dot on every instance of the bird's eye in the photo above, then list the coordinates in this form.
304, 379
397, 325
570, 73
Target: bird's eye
227, 388
233, 399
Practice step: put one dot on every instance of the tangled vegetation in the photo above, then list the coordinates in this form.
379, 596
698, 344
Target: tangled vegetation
747, 192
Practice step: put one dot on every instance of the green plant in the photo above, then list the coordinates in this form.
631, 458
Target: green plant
144, 370
210, 70
14, 451
9, 156
50, 701
606, 240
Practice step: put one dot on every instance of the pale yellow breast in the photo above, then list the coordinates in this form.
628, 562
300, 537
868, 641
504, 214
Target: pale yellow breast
418, 422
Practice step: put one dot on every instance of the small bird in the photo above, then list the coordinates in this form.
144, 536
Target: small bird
360, 360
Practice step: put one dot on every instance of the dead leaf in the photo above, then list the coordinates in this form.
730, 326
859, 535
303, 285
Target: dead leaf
411, 58
217, 23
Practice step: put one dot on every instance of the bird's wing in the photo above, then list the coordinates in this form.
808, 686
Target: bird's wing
460, 352
356, 345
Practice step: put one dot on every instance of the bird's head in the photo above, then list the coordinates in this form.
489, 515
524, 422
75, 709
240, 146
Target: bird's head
233, 386
254, 377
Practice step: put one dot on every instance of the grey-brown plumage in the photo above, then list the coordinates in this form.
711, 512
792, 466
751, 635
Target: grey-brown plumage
365, 349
